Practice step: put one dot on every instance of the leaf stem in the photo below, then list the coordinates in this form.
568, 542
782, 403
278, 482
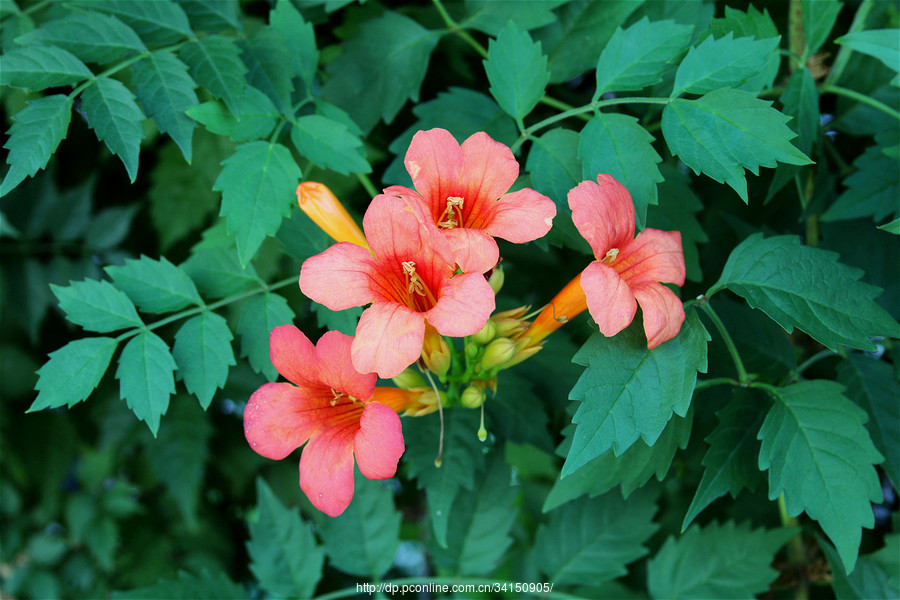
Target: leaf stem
708, 383
796, 552
454, 27
125, 63
729, 343
843, 55
367, 184
814, 359
854, 95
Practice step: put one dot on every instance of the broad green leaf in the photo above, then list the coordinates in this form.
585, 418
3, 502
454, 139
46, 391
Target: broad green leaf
873, 189
819, 17
629, 391
285, 558
146, 377
516, 413
161, 22
722, 63
212, 15
38, 67
730, 463
268, 61
637, 57
116, 119
380, 67
344, 321
491, 17
215, 64
109, 227
717, 561
34, 136
205, 586
259, 316
156, 286
218, 272
258, 186
91, 36
166, 91
724, 132
370, 525
103, 542
820, 456
592, 540
676, 211
96, 305
755, 24
300, 38
871, 578
872, 384
73, 372
618, 145
255, 118
301, 238
892, 227
883, 44
784, 279
801, 101
480, 521
517, 70
329, 144
203, 353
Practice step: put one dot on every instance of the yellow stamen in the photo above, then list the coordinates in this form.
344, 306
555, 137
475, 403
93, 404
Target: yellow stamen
414, 282
447, 220
610, 256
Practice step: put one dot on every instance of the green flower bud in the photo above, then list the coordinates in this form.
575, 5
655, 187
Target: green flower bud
473, 397
483, 337
497, 353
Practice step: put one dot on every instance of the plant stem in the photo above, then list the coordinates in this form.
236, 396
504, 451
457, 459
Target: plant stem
118, 67
843, 56
708, 383
853, 94
454, 27
367, 184
814, 359
729, 343
796, 553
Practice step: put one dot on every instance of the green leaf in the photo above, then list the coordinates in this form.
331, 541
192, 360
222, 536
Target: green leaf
370, 525
166, 91
727, 130
96, 305
592, 540
717, 561
819, 17
638, 56
258, 186
215, 64
873, 189
819, 455
91, 36
114, 116
34, 136
255, 118
801, 101
491, 17
629, 391
300, 38
872, 577
109, 227
785, 280
722, 63
203, 353
344, 321
883, 44
755, 24
380, 67
218, 272
516, 413
38, 67
732, 456
268, 61
212, 15
618, 145
146, 377
73, 372
259, 316
329, 144
156, 286
103, 541
161, 22
872, 385
517, 70
892, 227
286, 560
205, 586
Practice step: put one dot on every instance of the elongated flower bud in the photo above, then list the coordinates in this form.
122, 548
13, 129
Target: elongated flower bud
483, 337
473, 396
326, 211
436, 352
497, 353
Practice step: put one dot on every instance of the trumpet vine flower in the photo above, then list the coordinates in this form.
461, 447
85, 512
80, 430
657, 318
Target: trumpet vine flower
326, 211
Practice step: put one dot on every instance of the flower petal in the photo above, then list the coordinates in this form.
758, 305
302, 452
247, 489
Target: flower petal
326, 469
603, 213
663, 312
293, 355
340, 278
333, 358
473, 250
609, 299
466, 302
388, 339
522, 216
489, 169
398, 229
435, 162
276, 421
654, 255
378, 444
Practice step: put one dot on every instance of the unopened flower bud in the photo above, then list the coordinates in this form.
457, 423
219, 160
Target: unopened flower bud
496, 280
436, 352
473, 396
483, 337
409, 378
497, 353
426, 403
471, 349
326, 211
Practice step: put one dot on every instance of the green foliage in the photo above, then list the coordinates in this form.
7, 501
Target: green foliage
329, 144
215, 63
872, 190
112, 113
517, 71
40, 67
73, 372
92, 37
259, 316
38, 130
883, 44
203, 353
722, 63
155, 286
146, 377
206, 586
97, 306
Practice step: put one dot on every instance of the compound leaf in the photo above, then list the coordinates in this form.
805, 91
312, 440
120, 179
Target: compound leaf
156, 286
166, 91
259, 316
96, 305
203, 353
160, 22
215, 63
91, 36
205, 586
34, 136
38, 67
517, 70
329, 144
73, 372
146, 375
722, 63
114, 116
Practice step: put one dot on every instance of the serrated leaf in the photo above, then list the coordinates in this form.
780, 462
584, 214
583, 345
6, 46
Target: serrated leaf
676, 211
215, 64
618, 145
91, 36
819, 17
161, 22
156, 286
891, 227
300, 38
286, 559
638, 56
146, 377
259, 316
258, 185
370, 525
491, 17
801, 101
717, 561
873, 189
38, 67
218, 272
722, 63
34, 136
883, 44
785, 280
329, 144
629, 391
380, 67
205, 586
724, 132
73, 372
819, 455
755, 24
255, 118
517, 70
591, 540
96, 305
268, 61
166, 91
114, 116
203, 353
516, 412
870, 579
212, 15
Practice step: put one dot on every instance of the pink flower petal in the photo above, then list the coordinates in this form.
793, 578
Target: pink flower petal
378, 444
326, 469
293, 355
398, 229
333, 358
522, 216
388, 339
473, 249
340, 277
435, 162
663, 312
603, 213
609, 299
489, 169
278, 419
654, 255
466, 302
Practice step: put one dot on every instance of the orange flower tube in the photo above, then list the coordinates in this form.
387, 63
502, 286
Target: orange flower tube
326, 211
